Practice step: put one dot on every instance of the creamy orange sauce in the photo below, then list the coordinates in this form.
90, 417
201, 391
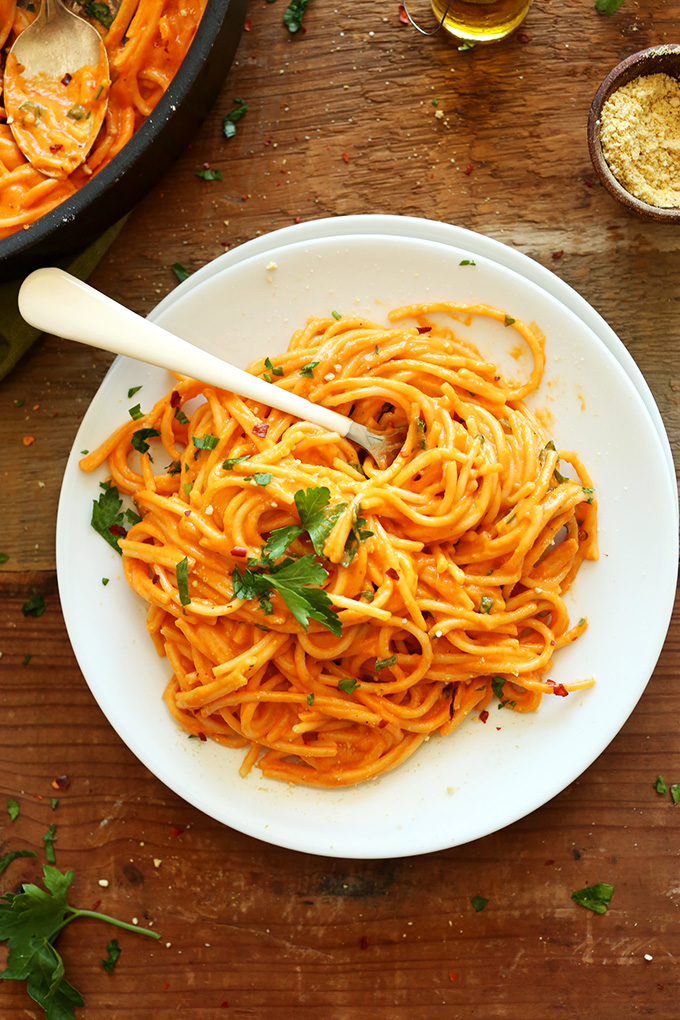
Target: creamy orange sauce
146, 44
56, 123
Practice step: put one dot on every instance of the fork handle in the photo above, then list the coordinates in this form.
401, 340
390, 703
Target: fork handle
56, 302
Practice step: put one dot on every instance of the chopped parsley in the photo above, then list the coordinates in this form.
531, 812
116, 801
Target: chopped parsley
210, 174
607, 7
594, 897
229, 463
205, 442
34, 606
100, 12
336, 315
275, 370
479, 902
660, 785
308, 369
49, 840
297, 583
467, 262
136, 412
229, 122
132, 391
485, 604
113, 949
508, 320
358, 534
310, 699
385, 663
182, 575
262, 477
5, 862
107, 516
316, 518
348, 685
675, 793
180, 272
12, 808
293, 15
139, 439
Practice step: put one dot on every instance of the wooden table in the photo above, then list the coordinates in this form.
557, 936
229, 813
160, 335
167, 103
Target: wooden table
358, 114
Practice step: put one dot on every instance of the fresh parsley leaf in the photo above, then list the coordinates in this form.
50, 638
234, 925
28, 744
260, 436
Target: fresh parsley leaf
229, 122
336, 315
310, 699
485, 604
54, 803
293, 15
205, 442
210, 174
675, 793
384, 663
262, 477
100, 12
180, 272
508, 320
467, 262
12, 808
348, 685
594, 897
275, 370
139, 439
315, 518
607, 7
479, 902
49, 840
308, 369
12, 856
114, 951
34, 606
132, 391
136, 412
357, 535
497, 683
30, 922
295, 581
660, 786
182, 575
107, 514
229, 463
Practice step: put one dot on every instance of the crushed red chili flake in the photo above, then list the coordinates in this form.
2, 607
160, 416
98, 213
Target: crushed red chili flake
453, 976
524, 37
383, 722
225, 1004
260, 429
28, 440
66, 80
61, 783
468, 169
96, 905
166, 985
202, 736
177, 830
561, 691
239, 550
484, 715
345, 156
117, 529
424, 329
363, 942
247, 25
558, 254
56, 146
175, 399
549, 862
391, 572
403, 16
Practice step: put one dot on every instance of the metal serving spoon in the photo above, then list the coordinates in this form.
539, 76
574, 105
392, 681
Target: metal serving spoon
56, 302
46, 57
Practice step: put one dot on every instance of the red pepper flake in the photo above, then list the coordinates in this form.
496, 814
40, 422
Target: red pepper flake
383, 722
28, 440
66, 80
177, 830
549, 862
403, 16
96, 905
424, 329
239, 550
261, 429
391, 572
484, 715
166, 985
558, 254
453, 976
247, 25
117, 529
61, 783
468, 169
561, 691
345, 156
175, 398
225, 1004
363, 942
56, 146
524, 37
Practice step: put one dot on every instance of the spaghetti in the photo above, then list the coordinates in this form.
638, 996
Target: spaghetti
329, 616
146, 41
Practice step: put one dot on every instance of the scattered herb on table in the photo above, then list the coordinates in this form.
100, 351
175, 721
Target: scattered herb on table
30, 922
12, 808
675, 793
180, 272
49, 840
114, 950
210, 173
660, 785
293, 15
607, 6
12, 856
594, 897
34, 606
229, 122
479, 902
4, 557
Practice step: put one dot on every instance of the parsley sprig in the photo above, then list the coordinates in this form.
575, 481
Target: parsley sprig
316, 518
30, 922
296, 581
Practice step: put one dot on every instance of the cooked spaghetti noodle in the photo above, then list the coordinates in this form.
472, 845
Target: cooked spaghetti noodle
146, 42
443, 574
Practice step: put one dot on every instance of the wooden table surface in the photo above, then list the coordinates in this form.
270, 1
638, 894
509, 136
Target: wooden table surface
357, 114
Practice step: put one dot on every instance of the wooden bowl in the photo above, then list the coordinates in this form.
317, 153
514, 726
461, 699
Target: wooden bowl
655, 60
141, 162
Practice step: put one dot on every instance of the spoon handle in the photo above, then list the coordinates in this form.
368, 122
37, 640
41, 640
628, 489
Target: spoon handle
56, 302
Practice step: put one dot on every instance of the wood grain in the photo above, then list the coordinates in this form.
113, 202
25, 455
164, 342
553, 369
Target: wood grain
255, 930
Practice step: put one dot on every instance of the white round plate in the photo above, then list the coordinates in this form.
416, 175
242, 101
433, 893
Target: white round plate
484, 776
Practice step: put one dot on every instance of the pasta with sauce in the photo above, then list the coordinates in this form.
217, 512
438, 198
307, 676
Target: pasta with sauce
146, 42
326, 615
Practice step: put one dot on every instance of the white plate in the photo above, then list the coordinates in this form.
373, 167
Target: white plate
484, 776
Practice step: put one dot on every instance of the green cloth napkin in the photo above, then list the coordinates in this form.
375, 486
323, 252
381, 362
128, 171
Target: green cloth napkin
16, 336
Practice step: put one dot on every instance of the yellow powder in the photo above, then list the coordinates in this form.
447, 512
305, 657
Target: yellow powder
640, 135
